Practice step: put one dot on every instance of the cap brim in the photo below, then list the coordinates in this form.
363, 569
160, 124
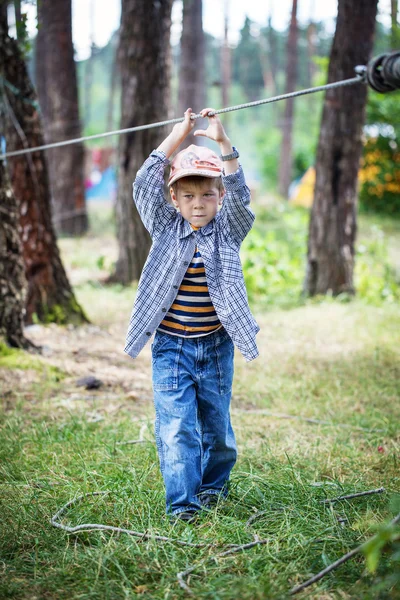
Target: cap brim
197, 172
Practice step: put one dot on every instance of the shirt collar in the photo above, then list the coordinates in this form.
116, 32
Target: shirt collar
186, 229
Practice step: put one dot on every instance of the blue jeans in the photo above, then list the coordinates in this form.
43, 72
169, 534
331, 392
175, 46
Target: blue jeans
192, 383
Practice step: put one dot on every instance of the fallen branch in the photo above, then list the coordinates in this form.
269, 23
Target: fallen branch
368, 493
338, 562
182, 574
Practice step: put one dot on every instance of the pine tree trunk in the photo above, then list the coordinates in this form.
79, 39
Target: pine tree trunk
12, 277
191, 72
113, 88
311, 49
226, 71
333, 222
50, 296
144, 58
58, 96
285, 165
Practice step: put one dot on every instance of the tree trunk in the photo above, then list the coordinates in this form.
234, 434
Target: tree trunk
4, 15
285, 166
191, 72
12, 277
226, 71
58, 95
311, 50
113, 87
88, 74
50, 296
144, 57
333, 217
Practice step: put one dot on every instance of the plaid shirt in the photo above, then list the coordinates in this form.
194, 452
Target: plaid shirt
174, 243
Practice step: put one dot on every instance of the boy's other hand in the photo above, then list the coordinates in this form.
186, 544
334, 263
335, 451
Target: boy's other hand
182, 130
215, 130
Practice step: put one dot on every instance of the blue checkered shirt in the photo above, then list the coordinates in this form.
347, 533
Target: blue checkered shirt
174, 243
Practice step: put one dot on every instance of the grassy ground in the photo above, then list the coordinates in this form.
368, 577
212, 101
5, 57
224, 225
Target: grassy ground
335, 364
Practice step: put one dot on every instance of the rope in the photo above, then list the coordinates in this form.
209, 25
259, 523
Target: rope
360, 78
382, 74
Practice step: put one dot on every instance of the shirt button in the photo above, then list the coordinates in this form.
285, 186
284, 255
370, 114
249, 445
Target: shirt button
148, 333
175, 287
163, 310
186, 263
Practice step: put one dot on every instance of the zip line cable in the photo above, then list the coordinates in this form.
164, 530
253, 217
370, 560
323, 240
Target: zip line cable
382, 74
359, 79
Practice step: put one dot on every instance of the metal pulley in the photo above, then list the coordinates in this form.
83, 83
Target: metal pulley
383, 72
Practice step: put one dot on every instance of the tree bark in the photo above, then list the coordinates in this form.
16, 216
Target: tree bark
333, 221
50, 296
226, 70
58, 96
285, 165
311, 50
113, 86
12, 277
144, 58
191, 72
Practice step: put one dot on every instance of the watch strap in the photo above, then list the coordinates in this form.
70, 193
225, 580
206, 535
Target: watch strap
231, 156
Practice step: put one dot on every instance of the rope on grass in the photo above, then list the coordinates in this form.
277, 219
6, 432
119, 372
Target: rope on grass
96, 526
229, 548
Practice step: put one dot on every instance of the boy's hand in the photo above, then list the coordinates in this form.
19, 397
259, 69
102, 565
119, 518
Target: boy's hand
179, 132
182, 130
215, 130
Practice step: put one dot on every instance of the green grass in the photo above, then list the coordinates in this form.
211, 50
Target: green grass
334, 362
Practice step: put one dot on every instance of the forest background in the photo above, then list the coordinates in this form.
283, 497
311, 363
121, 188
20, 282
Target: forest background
316, 416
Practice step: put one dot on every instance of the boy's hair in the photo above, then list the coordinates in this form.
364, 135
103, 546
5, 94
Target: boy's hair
198, 181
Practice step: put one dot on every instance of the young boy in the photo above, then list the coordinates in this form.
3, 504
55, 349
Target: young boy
192, 294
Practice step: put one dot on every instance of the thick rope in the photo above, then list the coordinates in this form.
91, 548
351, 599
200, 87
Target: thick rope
360, 78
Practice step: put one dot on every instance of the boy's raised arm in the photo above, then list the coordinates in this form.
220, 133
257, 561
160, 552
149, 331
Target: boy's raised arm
148, 187
235, 208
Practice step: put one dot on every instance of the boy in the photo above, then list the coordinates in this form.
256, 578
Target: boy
192, 293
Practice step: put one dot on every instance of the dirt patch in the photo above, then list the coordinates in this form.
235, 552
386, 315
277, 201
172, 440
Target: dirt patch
81, 352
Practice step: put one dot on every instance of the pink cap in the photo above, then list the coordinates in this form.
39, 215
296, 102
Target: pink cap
195, 160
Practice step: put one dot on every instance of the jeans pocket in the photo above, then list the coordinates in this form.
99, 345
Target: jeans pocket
164, 379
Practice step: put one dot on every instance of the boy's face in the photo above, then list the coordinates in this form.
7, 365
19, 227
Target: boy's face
198, 203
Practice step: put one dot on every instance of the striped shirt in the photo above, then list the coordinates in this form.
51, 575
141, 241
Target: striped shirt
192, 314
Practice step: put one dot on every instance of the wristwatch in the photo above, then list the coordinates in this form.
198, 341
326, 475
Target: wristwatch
231, 156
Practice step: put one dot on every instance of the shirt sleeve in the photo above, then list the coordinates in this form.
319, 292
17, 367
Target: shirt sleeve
148, 194
236, 212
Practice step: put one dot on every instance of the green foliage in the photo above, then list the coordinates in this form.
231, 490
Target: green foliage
385, 547
274, 261
380, 175
376, 279
273, 257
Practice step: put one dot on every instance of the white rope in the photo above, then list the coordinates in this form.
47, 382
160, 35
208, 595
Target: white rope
360, 78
